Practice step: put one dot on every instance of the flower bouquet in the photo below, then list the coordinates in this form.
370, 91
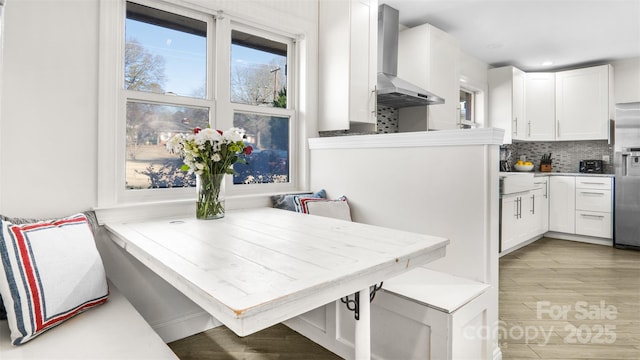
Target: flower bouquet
210, 154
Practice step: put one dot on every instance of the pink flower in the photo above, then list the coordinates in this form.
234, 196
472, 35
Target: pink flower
196, 130
248, 150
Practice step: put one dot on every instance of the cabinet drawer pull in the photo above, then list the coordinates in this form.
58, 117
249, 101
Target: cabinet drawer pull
591, 193
593, 183
593, 216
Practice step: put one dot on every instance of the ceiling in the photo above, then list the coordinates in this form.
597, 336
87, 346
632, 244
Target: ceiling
527, 33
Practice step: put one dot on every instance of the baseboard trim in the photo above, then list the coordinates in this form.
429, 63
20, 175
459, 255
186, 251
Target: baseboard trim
580, 238
497, 353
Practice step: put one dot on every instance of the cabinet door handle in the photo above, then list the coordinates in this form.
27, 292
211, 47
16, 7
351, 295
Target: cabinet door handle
519, 208
374, 112
516, 127
557, 128
515, 208
592, 216
591, 193
533, 204
529, 129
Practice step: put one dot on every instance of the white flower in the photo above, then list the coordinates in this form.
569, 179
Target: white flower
174, 145
216, 157
233, 134
209, 135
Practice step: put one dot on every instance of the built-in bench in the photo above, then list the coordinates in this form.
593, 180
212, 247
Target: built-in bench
114, 330
421, 314
453, 308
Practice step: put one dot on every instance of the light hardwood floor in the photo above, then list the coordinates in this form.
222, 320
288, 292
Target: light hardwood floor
568, 300
549, 274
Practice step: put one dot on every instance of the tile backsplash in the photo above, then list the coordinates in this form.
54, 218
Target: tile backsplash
566, 155
387, 122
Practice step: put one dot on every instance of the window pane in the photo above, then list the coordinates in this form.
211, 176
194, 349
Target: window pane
149, 126
269, 137
258, 71
466, 105
164, 52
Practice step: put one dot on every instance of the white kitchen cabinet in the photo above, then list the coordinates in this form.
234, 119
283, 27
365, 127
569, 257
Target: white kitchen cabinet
594, 207
541, 205
347, 66
562, 204
540, 106
430, 58
584, 103
523, 217
506, 102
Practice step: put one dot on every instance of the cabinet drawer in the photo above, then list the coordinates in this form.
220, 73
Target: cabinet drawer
591, 223
593, 182
593, 200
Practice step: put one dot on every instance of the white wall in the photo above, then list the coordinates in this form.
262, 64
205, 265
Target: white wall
49, 108
49, 128
424, 183
626, 80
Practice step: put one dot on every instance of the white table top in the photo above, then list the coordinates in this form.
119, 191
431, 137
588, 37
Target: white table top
257, 267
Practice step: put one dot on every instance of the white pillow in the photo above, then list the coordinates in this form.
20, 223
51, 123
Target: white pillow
50, 271
337, 209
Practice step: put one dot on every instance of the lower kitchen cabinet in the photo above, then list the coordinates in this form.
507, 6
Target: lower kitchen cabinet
562, 203
581, 205
523, 216
541, 205
594, 204
591, 223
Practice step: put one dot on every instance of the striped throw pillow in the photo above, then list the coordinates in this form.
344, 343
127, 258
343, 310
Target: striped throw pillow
337, 209
50, 272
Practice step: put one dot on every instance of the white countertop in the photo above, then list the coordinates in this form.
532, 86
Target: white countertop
479, 136
571, 174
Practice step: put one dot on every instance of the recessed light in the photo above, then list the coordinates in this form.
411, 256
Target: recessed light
547, 63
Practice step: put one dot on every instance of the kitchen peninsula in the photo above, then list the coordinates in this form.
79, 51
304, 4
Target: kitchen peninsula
443, 183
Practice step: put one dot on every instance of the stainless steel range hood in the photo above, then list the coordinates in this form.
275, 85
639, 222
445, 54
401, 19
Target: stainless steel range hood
393, 91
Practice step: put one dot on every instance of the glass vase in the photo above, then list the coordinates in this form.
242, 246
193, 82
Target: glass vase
210, 202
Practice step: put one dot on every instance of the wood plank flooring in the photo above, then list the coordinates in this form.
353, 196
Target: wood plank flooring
275, 343
536, 282
568, 300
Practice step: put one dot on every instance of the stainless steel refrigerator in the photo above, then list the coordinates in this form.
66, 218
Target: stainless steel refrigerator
627, 176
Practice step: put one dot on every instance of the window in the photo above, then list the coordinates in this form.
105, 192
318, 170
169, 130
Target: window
168, 68
258, 95
165, 86
467, 108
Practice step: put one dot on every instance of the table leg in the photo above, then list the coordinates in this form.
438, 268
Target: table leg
363, 328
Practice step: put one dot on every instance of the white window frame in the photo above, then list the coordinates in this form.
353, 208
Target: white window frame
112, 103
226, 108
479, 92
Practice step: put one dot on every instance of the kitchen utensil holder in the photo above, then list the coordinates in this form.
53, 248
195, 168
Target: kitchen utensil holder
545, 167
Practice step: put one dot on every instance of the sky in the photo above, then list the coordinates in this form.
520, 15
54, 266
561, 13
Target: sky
184, 54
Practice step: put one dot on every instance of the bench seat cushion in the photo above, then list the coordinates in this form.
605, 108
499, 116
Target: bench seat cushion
443, 292
114, 330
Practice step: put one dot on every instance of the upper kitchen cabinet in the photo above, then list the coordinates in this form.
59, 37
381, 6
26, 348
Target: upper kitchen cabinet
506, 102
584, 103
347, 41
540, 106
430, 58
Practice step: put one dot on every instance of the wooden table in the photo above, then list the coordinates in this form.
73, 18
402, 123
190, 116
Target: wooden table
255, 268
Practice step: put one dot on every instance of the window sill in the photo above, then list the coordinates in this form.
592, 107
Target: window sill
173, 208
